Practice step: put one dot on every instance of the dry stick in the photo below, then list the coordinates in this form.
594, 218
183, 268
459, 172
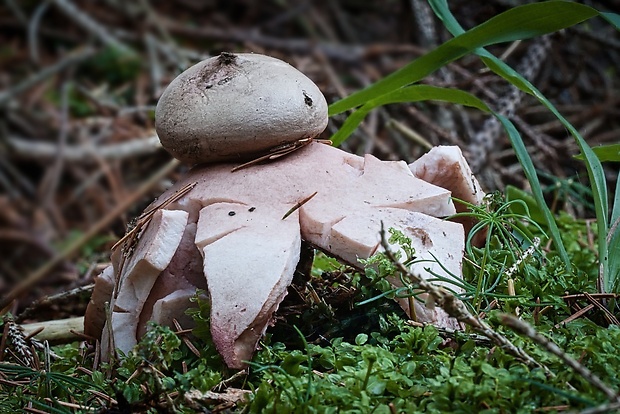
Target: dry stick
610, 316
51, 178
54, 299
348, 53
602, 409
17, 11
298, 205
409, 133
168, 46
57, 330
334, 79
485, 141
424, 20
453, 333
40, 273
575, 315
46, 151
525, 329
447, 135
33, 27
281, 151
456, 308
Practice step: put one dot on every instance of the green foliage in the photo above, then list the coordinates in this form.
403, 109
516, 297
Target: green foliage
413, 372
77, 105
394, 366
510, 252
593, 165
323, 263
605, 153
47, 387
378, 268
517, 23
201, 316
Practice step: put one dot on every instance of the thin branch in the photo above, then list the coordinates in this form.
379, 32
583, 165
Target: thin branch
602, 409
351, 53
56, 331
33, 28
46, 151
48, 301
298, 205
457, 309
525, 329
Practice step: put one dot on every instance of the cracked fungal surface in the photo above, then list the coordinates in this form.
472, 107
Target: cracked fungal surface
237, 235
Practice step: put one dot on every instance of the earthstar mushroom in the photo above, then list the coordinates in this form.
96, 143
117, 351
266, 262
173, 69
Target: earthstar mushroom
237, 234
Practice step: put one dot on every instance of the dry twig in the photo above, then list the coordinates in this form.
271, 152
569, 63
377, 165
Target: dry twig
525, 329
45, 151
457, 309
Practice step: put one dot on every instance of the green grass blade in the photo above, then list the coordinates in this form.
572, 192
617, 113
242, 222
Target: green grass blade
425, 92
613, 274
609, 152
612, 18
614, 242
615, 214
521, 22
530, 172
414, 93
593, 165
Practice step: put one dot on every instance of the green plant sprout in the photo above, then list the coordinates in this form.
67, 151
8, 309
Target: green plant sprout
567, 189
507, 234
502, 229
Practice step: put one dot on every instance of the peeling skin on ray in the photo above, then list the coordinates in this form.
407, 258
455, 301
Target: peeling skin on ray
247, 276
102, 293
183, 273
244, 255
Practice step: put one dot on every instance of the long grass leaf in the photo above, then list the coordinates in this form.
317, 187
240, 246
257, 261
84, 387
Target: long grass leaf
530, 172
612, 18
615, 213
414, 93
614, 242
521, 22
426, 92
593, 165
